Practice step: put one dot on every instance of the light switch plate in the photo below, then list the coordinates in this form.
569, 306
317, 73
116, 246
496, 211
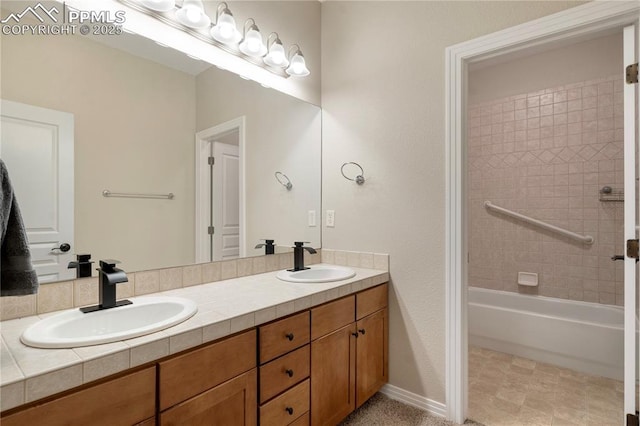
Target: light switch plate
312, 217
331, 218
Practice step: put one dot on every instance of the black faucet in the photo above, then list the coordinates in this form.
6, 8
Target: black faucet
108, 277
82, 265
269, 247
298, 256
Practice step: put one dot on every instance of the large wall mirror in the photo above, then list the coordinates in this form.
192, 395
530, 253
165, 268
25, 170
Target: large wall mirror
143, 121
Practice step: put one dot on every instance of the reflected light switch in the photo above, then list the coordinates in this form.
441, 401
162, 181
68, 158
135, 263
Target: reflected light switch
312, 217
331, 218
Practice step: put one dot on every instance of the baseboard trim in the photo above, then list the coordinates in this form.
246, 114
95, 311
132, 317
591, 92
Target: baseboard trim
415, 400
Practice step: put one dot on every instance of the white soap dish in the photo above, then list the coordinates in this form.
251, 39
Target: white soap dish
528, 278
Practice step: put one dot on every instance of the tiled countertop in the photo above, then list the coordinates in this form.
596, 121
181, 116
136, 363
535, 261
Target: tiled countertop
224, 307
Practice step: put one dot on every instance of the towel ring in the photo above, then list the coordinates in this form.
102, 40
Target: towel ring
286, 183
359, 178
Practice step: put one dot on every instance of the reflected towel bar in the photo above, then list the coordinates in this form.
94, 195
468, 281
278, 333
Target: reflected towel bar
107, 193
587, 239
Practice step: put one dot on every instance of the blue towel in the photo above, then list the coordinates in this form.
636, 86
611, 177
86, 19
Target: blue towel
17, 277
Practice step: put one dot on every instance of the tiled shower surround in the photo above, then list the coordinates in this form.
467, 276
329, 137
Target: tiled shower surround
547, 154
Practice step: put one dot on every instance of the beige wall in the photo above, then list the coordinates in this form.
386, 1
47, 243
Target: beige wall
384, 107
282, 134
570, 64
134, 126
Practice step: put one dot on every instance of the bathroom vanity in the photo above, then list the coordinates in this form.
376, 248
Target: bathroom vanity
312, 365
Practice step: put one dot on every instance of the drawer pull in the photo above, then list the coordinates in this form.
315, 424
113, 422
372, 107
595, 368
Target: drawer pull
355, 335
289, 372
289, 410
362, 331
289, 336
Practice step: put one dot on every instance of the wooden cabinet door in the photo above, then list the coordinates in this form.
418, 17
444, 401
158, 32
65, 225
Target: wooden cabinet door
125, 400
371, 355
232, 403
333, 376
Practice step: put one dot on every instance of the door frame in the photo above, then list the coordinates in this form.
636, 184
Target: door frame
578, 21
203, 185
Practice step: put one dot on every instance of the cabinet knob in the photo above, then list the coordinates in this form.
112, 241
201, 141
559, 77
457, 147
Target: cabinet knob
362, 331
289, 372
289, 410
355, 335
289, 336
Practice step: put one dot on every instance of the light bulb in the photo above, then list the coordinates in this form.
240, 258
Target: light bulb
298, 67
276, 57
225, 30
191, 14
252, 44
159, 5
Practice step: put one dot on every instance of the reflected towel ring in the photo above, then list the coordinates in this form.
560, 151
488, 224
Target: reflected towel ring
286, 183
359, 178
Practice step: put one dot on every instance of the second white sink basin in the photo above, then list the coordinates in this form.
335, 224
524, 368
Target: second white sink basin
72, 329
318, 274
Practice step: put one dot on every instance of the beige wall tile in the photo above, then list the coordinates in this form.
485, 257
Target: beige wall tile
192, 275
147, 282
229, 269
12, 307
169, 279
55, 297
245, 267
211, 272
259, 264
85, 292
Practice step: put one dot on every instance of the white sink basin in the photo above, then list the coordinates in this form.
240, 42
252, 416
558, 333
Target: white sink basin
72, 329
317, 274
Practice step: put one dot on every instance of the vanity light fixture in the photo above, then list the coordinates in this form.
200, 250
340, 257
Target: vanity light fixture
297, 66
192, 15
251, 44
225, 30
276, 56
159, 5
191, 18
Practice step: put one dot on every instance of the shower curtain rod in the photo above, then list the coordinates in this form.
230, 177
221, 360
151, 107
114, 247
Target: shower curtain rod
586, 239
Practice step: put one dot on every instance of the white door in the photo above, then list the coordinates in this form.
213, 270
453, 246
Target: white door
225, 201
631, 55
36, 144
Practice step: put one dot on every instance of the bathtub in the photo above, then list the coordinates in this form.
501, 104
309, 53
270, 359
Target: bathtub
586, 337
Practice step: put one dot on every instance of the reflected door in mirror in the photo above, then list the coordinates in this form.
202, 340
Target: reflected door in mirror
37, 147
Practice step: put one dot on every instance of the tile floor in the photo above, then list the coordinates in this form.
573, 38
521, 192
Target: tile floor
508, 390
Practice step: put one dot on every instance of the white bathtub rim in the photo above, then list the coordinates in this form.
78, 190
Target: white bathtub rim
617, 309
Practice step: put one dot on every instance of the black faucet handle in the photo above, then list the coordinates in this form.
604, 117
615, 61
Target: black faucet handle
301, 243
108, 265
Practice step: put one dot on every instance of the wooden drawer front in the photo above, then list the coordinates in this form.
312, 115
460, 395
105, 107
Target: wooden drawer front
192, 373
283, 336
284, 372
332, 316
232, 403
303, 420
123, 401
372, 300
286, 408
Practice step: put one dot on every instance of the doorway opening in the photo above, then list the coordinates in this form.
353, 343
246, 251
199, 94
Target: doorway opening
219, 192
569, 26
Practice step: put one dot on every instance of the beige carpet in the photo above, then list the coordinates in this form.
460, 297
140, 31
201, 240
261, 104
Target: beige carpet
381, 410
